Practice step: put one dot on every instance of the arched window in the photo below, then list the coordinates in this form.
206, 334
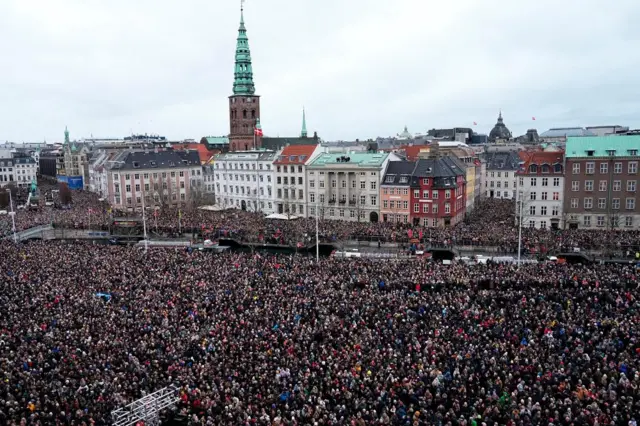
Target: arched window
244, 113
557, 168
533, 168
253, 113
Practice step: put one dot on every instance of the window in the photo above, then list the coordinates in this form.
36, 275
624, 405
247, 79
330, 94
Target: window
321, 183
333, 183
604, 168
600, 220
628, 221
554, 211
602, 185
374, 186
532, 210
434, 194
632, 167
521, 181
533, 196
534, 181
434, 209
127, 176
532, 224
425, 208
590, 168
353, 184
416, 193
631, 186
363, 200
617, 185
374, 200
545, 181
321, 198
533, 168
447, 208
617, 168
181, 173
312, 183
127, 188
425, 194
602, 203
615, 204
588, 185
588, 203
556, 196
447, 194
425, 181
630, 204
576, 168
332, 212
586, 220
343, 183
543, 224
574, 203
385, 204
363, 184
575, 185
416, 208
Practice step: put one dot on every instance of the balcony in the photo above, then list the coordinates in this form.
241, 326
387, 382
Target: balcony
343, 201
332, 201
352, 202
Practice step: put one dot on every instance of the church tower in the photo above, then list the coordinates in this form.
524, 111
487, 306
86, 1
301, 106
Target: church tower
244, 104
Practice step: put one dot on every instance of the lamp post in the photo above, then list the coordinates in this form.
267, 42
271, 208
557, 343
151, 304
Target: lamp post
317, 238
13, 216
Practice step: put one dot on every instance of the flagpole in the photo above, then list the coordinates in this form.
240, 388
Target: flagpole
144, 224
317, 239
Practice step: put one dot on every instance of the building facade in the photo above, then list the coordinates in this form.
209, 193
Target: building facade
438, 192
291, 197
245, 180
500, 174
540, 189
347, 186
394, 192
19, 171
602, 182
163, 178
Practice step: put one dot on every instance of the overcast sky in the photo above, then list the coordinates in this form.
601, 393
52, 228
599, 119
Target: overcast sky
362, 68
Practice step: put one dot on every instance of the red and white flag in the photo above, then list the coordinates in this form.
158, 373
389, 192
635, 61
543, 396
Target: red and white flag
533, 118
475, 124
257, 132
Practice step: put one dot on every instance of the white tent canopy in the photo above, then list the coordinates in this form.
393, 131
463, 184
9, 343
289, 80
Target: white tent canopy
279, 216
212, 208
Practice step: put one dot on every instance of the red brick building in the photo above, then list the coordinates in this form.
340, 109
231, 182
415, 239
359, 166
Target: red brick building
438, 192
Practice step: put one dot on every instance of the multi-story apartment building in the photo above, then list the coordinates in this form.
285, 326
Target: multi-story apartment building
540, 189
291, 196
394, 192
438, 192
19, 171
500, 174
169, 178
602, 182
347, 186
245, 180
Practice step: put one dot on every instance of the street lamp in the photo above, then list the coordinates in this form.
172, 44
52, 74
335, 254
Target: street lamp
13, 216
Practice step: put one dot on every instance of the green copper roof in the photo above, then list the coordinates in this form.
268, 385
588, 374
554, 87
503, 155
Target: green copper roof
304, 125
356, 159
218, 140
66, 135
258, 126
243, 75
623, 145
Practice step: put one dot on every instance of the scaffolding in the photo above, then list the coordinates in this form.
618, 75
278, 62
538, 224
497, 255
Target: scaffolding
147, 409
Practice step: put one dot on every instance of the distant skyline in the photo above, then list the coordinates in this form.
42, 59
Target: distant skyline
164, 67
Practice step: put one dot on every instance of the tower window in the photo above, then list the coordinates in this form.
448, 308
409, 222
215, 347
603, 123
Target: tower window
244, 113
253, 113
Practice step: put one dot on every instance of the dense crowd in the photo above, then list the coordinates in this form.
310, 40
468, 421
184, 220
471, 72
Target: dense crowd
491, 223
283, 340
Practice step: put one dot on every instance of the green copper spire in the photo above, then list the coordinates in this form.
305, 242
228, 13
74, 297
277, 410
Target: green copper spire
304, 125
66, 135
258, 126
243, 75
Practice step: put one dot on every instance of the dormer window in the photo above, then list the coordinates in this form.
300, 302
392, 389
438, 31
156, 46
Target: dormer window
633, 152
557, 168
292, 158
611, 152
136, 165
590, 152
404, 179
172, 164
545, 168
389, 179
533, 168
303, 157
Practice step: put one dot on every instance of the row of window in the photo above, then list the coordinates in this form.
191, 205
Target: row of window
241, 190
587, 203
241, 177
602, 185
504, 194
136, 176
590, 168
127, 188
545, 168
434, 208
341, 212
363, 199
229, 202
245, 166
395, 191
498, 174
544, 181
533, 210
614, 221
544, 195
373, 185
286, 193
147, 199
392, 204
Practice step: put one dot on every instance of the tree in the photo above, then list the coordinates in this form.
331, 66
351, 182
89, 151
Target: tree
65, 193
4, 200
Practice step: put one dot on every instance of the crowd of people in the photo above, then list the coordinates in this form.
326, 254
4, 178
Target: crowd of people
492, 223
258, 339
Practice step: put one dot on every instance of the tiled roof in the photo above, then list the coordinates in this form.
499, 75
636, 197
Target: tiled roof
541, 158
601, 145
398, 173
204, 153
503, 160
412, 152
130, 160
296, 154
444, 171
566, 132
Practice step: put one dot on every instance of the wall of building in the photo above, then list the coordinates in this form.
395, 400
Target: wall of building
396, 204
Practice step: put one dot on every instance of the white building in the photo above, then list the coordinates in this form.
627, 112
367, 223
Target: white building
347, 186
245, 180
291, 196
540, 188
500, 175
20, 171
